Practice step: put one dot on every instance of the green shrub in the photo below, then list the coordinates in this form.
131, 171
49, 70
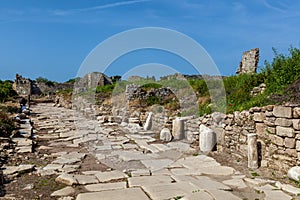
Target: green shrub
6, 91
152, 100
199, 86
6, 125
9, 109
105, 89
175, 83
204, 109
149, 86
238, 90
72, 80
283, 70
65, 91
45, 81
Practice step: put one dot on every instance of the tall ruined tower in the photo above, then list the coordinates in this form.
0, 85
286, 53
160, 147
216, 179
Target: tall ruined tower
249, 62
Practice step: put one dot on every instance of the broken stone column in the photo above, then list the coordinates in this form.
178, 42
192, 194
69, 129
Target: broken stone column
178, 129
165, 135
294, 173
148, 124
207, 139
252, 151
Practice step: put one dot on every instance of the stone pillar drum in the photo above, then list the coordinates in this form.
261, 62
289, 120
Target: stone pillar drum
148, 124
252, 151
207, 139
178, 129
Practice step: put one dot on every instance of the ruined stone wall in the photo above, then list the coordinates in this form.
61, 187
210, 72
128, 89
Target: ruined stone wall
278, 130
91, 80
25, 87
249, 62
22, 85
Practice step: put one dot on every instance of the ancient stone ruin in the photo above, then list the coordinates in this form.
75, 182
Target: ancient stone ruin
25, 87
249, 62
91, 80
22, 85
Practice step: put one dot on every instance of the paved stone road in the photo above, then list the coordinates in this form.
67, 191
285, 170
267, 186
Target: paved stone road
139, 167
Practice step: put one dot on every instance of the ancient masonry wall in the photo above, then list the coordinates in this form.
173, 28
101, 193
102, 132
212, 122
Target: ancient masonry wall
277, 127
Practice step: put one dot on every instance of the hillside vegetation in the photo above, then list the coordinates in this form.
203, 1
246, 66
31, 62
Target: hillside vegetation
6, 91
6, 123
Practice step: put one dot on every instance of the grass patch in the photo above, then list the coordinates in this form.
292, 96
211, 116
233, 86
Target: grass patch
178, 197
105, 89
48, 184
254, 174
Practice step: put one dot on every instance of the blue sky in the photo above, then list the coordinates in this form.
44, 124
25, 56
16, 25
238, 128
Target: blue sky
51, 38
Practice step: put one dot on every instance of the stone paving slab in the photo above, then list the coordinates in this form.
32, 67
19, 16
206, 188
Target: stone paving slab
132, 155
155, 164
199, 195
67, 179
170, 190
217, 171
141, 172
63, 192
105, 186
196, 162
128, 193
9, 170
149, 180
236, 183
220, 194
53, 166
109, 176
273, 193
86, 179
288, 188
185, 172
203, 182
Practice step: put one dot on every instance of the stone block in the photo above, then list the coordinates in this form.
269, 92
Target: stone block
148, 124
298, 145
252, 151
281, 111
165, 135
178, 129
277, 140
296, 124
283, 122
259, 117
207, 139
284, 131
289, 143
269, 107
270, 121
269, 114
260, 128
296, 112
291, 153
271, 130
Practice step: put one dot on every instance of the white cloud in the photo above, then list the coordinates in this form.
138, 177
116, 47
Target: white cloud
273, 7
111, 5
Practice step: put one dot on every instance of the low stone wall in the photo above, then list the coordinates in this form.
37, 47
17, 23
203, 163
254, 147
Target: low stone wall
277, 128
